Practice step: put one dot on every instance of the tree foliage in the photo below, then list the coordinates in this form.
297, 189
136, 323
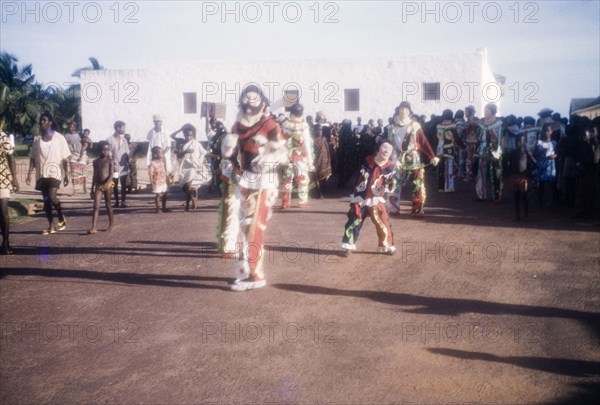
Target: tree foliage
23, 100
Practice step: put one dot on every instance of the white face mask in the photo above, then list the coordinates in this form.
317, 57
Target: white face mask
384, 153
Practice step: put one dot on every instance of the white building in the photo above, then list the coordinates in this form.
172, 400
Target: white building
369, 87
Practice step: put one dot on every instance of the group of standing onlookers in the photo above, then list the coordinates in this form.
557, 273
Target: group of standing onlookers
561, 157
62, 159
556, 158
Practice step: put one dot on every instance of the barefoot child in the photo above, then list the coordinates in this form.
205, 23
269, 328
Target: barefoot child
102, 184
158, 178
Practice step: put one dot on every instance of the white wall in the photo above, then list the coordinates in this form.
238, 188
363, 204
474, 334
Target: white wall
134, 96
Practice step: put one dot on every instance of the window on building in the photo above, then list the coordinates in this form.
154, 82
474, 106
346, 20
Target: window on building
189, 103
220, 111
216, 110
290, 97
431, 91
351, 100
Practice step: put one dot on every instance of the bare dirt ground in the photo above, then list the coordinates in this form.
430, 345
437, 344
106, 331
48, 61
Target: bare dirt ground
474, 308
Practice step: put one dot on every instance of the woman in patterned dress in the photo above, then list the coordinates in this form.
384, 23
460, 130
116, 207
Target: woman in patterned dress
6, 185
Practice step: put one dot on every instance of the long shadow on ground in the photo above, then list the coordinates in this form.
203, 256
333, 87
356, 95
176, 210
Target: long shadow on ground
452, 306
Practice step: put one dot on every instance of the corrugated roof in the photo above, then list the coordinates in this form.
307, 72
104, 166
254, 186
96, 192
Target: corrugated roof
582, 103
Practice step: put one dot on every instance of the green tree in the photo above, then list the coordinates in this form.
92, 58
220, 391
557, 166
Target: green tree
18, 109
23, 100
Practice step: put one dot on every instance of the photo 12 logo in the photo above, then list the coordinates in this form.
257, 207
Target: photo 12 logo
318, 92
471, 332
72, 332
453, 12
272, 332
454, 92
53, 12
253, 12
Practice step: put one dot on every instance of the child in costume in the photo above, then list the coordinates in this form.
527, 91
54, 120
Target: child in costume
376, 178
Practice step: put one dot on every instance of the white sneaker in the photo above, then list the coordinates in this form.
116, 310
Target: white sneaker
348, 246
389, 250
247, 284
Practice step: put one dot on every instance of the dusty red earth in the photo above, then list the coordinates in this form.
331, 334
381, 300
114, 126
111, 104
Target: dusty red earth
474, 308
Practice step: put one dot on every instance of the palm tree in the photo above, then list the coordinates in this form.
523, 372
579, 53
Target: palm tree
65, 106
18, 111
22, 100
95, 66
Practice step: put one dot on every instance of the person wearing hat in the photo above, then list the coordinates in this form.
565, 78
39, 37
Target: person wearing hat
409, 142
545, 115
157, 136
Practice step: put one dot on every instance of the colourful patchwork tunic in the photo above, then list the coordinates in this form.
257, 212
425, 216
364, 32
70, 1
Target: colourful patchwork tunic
447, 151
259, 152
471, 134
409, 160
6, 178
322, 159
460, 130
489, 151
228, 223
299, 144
368, 201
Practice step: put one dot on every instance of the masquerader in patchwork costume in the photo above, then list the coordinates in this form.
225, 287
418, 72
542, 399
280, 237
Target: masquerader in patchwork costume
447, 151
459, 120
228, 223
471, 135
489, 152
375, 179
260, 150
409, 163
299, 144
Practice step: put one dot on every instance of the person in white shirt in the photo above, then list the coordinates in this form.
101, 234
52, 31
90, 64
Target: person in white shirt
119, 150
48, 155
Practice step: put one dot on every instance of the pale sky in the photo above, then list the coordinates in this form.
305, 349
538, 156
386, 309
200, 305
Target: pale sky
549, 51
